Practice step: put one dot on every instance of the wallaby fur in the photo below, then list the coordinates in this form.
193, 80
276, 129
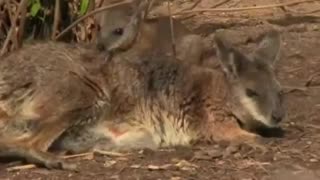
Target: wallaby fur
56, 96
153, 35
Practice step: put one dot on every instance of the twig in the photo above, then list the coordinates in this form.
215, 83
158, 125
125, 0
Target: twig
77, 155
56, 19
220, 3
110, 153
22, 23
311, 78
15, 41
98, 10
289, 89
23, 4
172, 33
192, 6
313, 126
31, 166
22, 167
213, 6
289, 10
299, 12
148, 9
245, 8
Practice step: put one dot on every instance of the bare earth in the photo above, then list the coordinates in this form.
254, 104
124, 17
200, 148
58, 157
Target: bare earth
295, 156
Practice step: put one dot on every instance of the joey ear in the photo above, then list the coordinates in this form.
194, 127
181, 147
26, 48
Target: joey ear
269, 48
231, 60
141, 7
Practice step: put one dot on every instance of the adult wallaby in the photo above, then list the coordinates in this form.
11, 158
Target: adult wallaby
56, 96
150, 35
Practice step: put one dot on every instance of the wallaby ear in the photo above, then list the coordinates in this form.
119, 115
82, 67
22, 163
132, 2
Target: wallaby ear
269, 48
231, 60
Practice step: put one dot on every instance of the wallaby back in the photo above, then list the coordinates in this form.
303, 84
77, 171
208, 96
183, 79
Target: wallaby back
158, 102
65, 97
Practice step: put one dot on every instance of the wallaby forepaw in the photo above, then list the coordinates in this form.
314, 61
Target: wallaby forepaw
257, 144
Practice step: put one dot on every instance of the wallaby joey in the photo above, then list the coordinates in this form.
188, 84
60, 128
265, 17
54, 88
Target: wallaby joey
152, 34
56, 96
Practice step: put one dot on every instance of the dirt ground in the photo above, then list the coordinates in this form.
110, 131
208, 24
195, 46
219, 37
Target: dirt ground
295, 156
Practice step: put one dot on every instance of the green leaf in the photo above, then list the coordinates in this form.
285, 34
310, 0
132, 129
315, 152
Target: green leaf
84, 6
36, 6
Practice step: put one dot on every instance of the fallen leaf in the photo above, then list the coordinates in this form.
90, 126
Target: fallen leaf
109, 163
185, 165
207, 154
135, 166
175, 178
163, 167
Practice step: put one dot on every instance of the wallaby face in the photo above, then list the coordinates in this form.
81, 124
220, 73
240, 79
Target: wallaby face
255, 92
112, 25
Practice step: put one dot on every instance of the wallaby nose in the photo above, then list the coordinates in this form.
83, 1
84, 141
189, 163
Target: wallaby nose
277, 116
100, 47
276, 119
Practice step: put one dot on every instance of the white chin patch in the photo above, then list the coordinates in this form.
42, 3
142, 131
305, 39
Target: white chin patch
250, 105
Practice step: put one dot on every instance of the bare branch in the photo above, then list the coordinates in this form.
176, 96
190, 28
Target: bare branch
245, 8
22, 9
56, 21
173, 41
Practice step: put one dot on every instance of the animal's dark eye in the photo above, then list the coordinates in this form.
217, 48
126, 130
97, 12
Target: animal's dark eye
251, 93
118, 31
280, 95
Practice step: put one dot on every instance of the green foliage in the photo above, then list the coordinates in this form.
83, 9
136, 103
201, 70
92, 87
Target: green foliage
35, 7
84, 6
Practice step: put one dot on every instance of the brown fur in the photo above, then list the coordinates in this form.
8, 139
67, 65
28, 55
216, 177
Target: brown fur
66, 97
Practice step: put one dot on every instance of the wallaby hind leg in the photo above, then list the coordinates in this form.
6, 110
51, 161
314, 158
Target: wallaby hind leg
12, 150
190, 49
32, 143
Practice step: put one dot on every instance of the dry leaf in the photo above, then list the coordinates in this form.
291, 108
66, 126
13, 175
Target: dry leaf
175, 178
186, 166
208, 154
163, 167
135, 166
109, 163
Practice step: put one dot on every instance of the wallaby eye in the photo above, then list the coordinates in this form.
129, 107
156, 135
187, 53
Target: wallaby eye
280, 95
251, 93
118, 31
98, 28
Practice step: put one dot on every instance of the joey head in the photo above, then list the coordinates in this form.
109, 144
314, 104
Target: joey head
152, 34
